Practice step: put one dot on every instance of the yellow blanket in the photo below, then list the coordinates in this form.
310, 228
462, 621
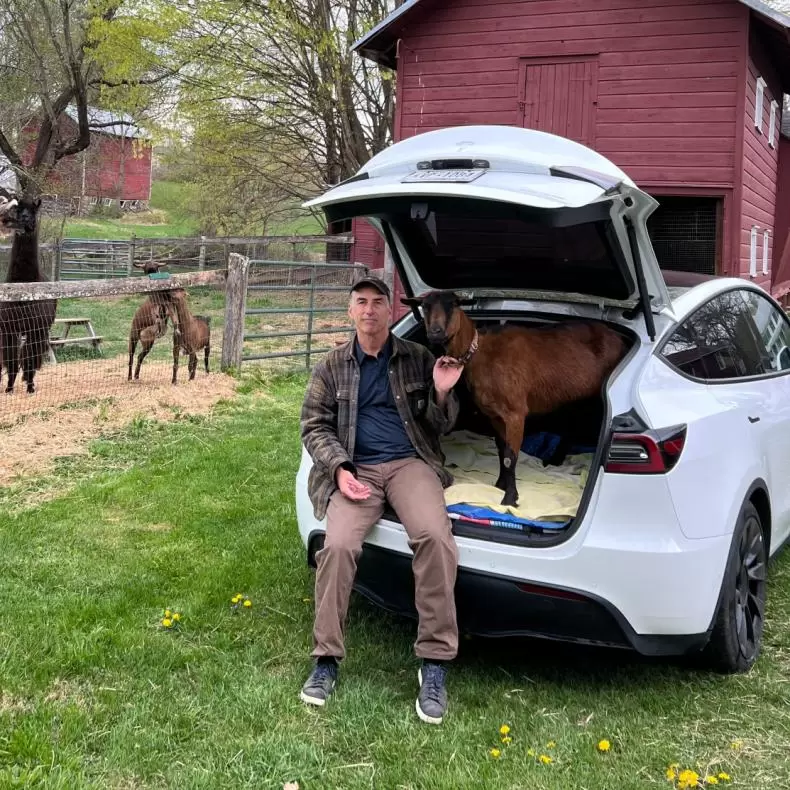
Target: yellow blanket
549, 493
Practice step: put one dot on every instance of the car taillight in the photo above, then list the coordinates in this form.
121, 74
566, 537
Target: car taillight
651, 452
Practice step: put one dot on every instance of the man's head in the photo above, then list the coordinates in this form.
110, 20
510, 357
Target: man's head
369, 307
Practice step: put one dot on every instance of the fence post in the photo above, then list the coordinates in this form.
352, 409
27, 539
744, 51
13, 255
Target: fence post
310, 317
56, 260
130, 259
235, 305
202, 256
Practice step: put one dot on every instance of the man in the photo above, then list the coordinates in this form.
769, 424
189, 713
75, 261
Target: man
371, 420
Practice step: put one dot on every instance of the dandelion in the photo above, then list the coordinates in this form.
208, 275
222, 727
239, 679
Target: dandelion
688, 779
247, 603
736, 744
551, 744
167, 622
672, 773
504, 729
725, 777
711, 780
176, 617
495, 753
167, 613
506, 739
604, 745
545, 759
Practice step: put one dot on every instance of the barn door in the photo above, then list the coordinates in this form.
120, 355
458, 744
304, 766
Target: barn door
560, 95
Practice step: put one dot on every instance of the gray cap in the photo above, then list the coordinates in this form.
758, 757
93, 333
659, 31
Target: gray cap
373, 282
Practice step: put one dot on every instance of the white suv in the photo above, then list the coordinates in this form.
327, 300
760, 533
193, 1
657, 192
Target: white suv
686, 491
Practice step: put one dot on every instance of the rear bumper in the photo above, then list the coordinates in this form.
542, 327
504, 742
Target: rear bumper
494, 606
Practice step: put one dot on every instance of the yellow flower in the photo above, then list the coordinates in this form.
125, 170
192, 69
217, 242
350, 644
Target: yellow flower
495, 753
724, 777
530, 752
545, 759
248, 603
176, 617
604, 745
711, 780
167, 613
672, 773
506, 739
551, 744
688, 779
504, 729
736, 744
167, 622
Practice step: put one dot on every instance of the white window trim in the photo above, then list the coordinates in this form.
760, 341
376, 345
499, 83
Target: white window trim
753, 253
758, 104
772, 126
766, 242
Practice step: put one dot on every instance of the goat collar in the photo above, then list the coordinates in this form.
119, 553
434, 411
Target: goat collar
470, 352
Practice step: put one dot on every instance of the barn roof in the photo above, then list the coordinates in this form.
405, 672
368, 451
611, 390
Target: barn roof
106, 122
380, 43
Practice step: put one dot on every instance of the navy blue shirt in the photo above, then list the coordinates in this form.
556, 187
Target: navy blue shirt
381, 436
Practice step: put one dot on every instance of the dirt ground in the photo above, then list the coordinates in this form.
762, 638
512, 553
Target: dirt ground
76, 402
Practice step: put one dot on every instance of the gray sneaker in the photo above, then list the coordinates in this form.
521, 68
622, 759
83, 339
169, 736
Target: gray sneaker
320, 684
432, 699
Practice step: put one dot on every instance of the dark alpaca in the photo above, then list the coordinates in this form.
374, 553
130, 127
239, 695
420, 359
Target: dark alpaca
29, 320
518, 371
192, 334
150, 321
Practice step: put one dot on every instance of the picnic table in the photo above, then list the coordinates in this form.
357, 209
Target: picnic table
64, 339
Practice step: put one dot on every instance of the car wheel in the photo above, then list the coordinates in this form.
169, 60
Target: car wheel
737, 632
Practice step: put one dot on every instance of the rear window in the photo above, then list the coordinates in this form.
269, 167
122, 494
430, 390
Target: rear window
464, 251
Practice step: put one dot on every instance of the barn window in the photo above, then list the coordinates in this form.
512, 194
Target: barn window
758, 104
772, 125
766, 239
753, 253
686, 233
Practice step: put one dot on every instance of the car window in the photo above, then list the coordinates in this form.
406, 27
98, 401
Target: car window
718, 341
774, 329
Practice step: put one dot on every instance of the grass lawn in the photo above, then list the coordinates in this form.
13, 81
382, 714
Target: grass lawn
93, 693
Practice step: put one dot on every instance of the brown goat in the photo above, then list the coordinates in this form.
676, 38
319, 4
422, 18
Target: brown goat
150, 320
192, 334
516, 371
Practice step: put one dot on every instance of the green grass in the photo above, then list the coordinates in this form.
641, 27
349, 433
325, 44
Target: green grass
171, 216
185, 515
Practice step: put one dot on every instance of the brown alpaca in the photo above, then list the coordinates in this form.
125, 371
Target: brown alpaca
516, 371
191, 334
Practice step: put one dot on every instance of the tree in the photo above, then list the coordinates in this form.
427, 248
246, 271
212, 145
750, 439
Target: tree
60, 53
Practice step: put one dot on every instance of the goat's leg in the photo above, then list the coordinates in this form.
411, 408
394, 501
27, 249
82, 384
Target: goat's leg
132, 348
205, 355
145, 347
11, 357
192, 367
514, 435
499, 437
176, 352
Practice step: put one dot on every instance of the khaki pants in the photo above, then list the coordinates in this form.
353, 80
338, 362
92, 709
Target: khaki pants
416, 494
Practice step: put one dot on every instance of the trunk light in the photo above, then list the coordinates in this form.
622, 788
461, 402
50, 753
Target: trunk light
652, 452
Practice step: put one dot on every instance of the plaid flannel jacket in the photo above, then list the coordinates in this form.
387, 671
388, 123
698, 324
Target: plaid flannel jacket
329, 413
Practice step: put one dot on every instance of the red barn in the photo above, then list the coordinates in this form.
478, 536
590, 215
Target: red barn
115, 170
685, 95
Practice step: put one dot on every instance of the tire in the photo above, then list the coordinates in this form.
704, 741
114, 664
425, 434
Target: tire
736, 638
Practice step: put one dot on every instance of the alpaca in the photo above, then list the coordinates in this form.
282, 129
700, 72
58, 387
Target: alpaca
33, 320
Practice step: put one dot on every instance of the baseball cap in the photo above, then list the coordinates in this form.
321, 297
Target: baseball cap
374, 282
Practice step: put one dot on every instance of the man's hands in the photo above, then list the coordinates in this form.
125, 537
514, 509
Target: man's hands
350, 487
446, 373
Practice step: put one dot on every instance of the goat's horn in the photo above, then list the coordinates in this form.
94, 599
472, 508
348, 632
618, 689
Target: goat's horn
415, 301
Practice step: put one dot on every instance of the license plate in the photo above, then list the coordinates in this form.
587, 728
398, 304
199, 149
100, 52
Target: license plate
452, 176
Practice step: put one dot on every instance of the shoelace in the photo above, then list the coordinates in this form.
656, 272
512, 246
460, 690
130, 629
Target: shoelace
432, 681
323, 671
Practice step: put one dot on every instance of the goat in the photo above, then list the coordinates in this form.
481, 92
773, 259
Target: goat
512, 372
192, 334
150, 321
31, 320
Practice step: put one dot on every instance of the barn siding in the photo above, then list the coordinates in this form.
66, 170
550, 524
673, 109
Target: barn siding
760, 167
667, 76
780, 270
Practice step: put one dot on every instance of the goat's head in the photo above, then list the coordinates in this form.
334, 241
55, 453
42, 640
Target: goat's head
150, 267
441, 312
19, 213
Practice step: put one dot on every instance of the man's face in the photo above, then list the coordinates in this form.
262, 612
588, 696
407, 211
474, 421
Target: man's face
369, 310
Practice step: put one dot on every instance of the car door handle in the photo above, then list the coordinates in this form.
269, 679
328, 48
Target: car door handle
754, 419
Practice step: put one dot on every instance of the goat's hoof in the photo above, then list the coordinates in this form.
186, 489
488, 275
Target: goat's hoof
510, 498
9, 390
501, 484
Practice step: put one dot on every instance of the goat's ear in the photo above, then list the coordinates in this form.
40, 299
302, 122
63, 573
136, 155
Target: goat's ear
415, 301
